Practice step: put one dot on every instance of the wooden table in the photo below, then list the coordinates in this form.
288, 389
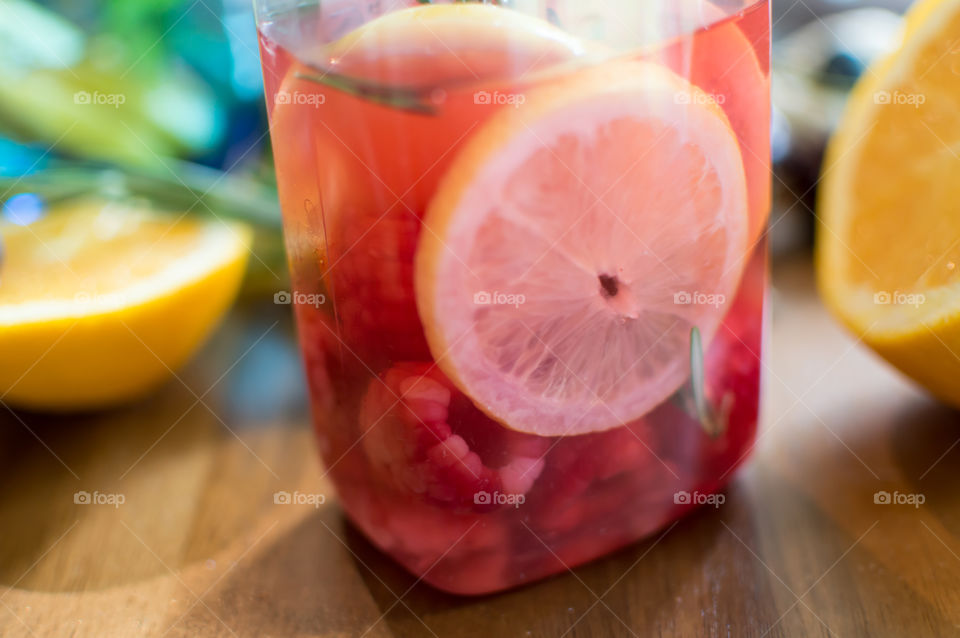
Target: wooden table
198, 548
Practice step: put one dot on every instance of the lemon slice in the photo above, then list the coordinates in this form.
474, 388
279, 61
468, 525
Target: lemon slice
888, 244
99, 302
440, 43
574, 243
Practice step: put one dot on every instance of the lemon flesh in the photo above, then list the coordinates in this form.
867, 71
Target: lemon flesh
888, 244
100, 303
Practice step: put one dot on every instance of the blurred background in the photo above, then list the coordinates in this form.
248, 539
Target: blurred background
163, 99
160, 103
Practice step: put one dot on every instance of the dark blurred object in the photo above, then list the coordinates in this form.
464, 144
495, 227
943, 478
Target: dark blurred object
820, 50
789, 15
817, 65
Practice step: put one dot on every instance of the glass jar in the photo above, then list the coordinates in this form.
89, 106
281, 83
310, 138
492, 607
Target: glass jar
526, 246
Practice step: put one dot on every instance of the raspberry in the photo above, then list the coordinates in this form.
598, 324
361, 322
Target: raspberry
577, 462
422, 436
617, 465
371, 275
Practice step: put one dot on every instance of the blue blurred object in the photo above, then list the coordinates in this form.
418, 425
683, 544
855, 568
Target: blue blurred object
254, 396
20, 159
23, 209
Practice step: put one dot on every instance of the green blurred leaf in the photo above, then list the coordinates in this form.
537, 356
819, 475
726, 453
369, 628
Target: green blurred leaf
94, 101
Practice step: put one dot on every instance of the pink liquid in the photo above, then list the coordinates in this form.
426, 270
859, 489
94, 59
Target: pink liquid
355, 175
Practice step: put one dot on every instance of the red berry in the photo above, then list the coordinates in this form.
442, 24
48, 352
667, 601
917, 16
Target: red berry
371, 276
422, 436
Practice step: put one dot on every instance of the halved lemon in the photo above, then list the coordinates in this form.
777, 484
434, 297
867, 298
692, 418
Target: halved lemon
888, 242
99, 302
574, 242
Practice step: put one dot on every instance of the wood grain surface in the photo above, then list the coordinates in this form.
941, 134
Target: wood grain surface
199, 548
